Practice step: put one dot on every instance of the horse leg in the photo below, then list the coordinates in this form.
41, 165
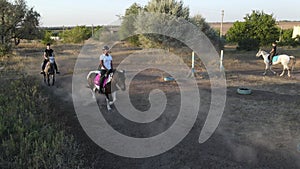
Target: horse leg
267, 67
283, 71
53, 79
272, 70
48, 79
114, 97
265, 72
289, 70
93, 95
44, 78
107, 102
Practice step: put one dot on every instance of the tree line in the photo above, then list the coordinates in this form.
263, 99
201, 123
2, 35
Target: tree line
18, 21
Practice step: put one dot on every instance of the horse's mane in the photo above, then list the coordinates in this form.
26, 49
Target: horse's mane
264, 52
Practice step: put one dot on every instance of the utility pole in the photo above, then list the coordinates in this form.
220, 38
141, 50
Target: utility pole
221, 28
92, 30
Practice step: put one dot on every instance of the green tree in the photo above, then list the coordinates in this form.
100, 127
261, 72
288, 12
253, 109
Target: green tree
47, 37
128, 24
212, 34
287, 40
77, 34
17, 21
171, 8
257, 26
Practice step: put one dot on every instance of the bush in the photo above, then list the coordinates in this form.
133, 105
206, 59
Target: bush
248, 44
28, 139
47, 38
287, 40
4, 49
76, 35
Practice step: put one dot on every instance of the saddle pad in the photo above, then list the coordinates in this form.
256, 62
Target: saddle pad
106, 80
274, 59
51, 59
97, 79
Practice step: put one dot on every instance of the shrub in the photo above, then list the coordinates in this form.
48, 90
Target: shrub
28, 139
248, 44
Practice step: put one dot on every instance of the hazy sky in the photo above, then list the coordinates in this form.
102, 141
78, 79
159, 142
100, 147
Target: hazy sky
103, 12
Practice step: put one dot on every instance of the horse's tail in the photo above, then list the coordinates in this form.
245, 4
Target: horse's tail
90, 79
94, 71
294, 62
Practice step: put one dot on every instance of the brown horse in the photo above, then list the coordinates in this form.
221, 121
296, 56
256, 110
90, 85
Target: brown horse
49, 73
117, 82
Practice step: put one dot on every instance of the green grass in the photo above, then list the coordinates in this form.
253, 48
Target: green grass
29, 138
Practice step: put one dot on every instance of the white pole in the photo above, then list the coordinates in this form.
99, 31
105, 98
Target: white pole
193, 63
221, 61
221, 27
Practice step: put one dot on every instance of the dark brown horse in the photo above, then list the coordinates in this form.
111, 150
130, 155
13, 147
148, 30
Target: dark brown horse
117, 82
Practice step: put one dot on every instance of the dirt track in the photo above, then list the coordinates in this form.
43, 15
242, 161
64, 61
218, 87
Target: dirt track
261, 130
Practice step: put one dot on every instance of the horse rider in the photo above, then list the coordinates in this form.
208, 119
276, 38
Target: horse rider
273, 52
105, 66
48, 53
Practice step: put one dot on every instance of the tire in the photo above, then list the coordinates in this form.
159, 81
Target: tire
244, 91
168, 79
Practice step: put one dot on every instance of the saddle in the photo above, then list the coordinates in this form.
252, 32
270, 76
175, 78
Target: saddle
106, 80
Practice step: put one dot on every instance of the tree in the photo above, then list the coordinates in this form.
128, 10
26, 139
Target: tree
257, 26
135, 20
77, 34
128, 24
16, 22
170, 8
212, 34
287, 40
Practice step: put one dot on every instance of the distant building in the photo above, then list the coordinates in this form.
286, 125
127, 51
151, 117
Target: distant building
296, 31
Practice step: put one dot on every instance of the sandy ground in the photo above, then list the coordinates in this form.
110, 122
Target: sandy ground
261, 130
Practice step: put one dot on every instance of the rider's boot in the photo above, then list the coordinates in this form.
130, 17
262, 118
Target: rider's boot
101, 90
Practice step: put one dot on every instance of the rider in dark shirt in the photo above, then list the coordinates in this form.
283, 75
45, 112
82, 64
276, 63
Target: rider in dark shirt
47, 53
273, 52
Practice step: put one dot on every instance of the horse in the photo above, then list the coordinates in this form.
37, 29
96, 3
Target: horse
117, 82
283, 59
49, 71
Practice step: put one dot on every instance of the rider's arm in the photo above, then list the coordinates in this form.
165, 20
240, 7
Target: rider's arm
45, 55
102, 65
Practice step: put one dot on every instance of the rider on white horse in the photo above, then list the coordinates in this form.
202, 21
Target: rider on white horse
273, 52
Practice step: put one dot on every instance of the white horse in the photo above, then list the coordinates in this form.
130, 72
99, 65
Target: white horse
283, 59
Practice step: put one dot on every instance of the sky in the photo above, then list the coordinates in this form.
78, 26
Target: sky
106, 12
